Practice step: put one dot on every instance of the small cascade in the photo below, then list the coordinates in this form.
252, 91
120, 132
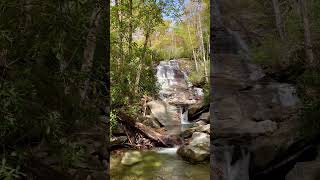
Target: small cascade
184, 115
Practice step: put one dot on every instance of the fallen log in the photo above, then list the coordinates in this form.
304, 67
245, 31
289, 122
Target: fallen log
148, 132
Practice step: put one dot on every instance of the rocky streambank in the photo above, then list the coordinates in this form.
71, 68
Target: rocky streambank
256, 128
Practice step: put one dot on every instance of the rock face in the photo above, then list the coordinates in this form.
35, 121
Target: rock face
198, 148
251, 111
131, 158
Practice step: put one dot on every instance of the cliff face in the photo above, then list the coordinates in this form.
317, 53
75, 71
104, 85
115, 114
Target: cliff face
254, 118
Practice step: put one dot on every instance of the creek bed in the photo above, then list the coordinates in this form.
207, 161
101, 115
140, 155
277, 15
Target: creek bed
158, 164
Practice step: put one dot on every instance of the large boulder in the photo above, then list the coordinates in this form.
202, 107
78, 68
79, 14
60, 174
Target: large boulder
198, 149
165, 113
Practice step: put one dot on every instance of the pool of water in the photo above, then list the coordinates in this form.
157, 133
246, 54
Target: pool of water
160, 164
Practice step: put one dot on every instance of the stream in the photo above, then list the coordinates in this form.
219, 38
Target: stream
160, 164
177, 93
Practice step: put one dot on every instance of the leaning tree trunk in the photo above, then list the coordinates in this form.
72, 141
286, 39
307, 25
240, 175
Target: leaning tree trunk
307, 35
90, 49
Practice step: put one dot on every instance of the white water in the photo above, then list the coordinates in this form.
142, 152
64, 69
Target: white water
171, 151
184, 115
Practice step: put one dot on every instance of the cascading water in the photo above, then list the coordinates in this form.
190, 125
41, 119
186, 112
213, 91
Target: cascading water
176, 89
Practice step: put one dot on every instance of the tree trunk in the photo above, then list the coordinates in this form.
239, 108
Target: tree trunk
208, 51
172, 43
130, 27
90, 49
307, 35
278, 18
202, 47
120, 59
140, 67
194, 55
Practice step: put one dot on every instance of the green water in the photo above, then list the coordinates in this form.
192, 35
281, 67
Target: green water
159, 165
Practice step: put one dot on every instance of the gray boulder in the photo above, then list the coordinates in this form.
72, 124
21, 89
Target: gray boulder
198, 149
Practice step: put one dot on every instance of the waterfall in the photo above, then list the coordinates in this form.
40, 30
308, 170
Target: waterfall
176, 89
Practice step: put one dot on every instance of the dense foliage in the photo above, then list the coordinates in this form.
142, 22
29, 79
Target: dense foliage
284, 38
52, 81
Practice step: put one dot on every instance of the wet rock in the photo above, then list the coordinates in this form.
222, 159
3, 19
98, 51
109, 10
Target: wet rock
198, 148
131, 157
200, 123
188, 132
